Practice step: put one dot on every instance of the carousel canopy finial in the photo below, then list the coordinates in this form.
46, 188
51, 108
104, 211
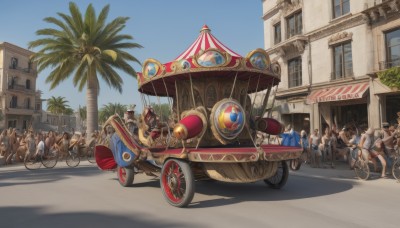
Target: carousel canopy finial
205, 29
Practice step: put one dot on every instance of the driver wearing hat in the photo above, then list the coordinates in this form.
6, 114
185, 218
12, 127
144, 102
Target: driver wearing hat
131, 121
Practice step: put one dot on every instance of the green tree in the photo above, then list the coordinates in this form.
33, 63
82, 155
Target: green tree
57, 105
88, 48
110, 109
390, 77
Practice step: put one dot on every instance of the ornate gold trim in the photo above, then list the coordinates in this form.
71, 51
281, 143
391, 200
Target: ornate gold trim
223, 157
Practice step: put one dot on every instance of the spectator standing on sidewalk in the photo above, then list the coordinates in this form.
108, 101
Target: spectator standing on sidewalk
314, 142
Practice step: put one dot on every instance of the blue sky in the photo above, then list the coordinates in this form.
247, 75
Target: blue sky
164, 28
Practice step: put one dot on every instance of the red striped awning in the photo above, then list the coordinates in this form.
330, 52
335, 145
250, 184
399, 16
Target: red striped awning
345, 92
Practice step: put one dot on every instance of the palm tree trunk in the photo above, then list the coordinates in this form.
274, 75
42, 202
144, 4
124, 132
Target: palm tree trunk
91, 101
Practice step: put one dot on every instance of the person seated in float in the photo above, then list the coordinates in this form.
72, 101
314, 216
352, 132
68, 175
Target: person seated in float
130, 121
150, 126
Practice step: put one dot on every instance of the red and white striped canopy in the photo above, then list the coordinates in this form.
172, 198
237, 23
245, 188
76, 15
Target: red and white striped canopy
346, 92
205, 41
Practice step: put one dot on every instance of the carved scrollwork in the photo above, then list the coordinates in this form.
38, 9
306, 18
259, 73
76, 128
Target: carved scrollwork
276, 68
340, 37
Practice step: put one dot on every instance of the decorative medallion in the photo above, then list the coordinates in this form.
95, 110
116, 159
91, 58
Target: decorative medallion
258, 59
151, 68
211, 59
227, 120
185, 65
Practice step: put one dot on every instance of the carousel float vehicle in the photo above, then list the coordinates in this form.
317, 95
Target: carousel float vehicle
211, 131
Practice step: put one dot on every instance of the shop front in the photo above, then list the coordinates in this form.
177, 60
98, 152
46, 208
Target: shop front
340, 106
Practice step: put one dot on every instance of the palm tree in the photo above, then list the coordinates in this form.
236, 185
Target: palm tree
57, 105
89, 49
110, 109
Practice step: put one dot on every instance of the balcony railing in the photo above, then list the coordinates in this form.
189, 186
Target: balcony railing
25, 70
383, 65
20, 88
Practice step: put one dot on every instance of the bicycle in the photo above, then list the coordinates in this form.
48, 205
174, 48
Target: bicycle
50, 158
32, 161
73, 159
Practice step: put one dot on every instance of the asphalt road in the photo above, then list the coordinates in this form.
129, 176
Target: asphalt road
87, 197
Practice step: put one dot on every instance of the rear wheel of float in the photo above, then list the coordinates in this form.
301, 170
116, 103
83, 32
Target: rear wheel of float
125, 176
177, 183
279, 179
295, 164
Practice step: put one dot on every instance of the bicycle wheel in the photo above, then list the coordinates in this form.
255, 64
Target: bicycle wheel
90, 155
73, 160
32, 162
396, 169
50, 158
361, 169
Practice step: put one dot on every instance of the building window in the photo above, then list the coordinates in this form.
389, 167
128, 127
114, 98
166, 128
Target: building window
13, 102
38, 107
342, 61
28, 84
294, 25
14, 63
28, 103
277, 33
294, 69
392, 41
340, 7
12, 123
24, 124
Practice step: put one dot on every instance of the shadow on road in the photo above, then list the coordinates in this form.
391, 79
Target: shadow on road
39, 217
43, 175
298, 187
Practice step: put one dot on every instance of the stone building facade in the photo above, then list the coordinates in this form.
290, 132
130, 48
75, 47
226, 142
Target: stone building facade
17, 87
330, 52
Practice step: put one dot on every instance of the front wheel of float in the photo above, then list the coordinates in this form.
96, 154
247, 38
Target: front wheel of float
177, 182
280, 178
125, 176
